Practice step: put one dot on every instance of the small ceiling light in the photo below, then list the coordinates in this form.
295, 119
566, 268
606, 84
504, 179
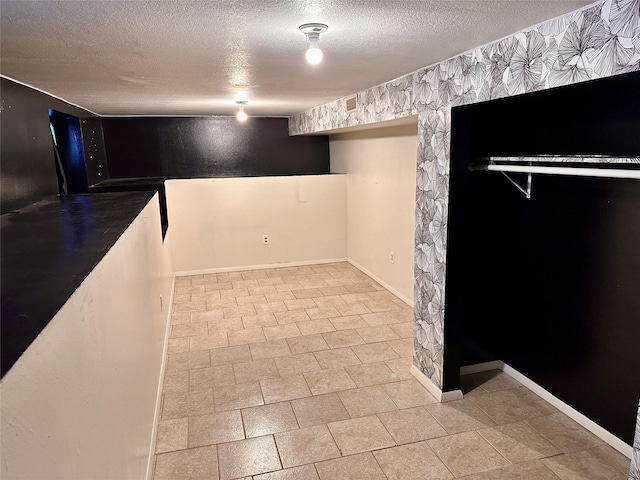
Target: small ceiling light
313, 31
241, 115
240, 97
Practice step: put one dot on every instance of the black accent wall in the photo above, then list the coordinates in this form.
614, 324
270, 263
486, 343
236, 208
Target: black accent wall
28, 171
550, 284
599, 117
176, 147
97, 168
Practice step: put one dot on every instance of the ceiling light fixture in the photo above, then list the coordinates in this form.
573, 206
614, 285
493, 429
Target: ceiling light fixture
313, 31
240, 97
241, 115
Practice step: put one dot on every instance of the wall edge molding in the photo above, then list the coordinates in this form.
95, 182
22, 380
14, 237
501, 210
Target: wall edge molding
163, 369
482, 367
382, 282
243, 268
49, 94
582, 420
431, 387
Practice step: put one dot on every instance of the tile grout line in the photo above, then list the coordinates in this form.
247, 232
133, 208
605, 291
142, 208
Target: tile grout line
328, 348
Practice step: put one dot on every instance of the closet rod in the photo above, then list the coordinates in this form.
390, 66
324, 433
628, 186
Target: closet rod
581, 172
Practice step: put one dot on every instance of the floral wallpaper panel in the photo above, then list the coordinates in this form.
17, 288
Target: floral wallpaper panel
634, 472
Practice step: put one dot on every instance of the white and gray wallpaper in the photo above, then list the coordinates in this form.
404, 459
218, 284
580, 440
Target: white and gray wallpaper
598, 41
634, 472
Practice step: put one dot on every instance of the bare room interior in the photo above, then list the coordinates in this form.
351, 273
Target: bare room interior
320, 240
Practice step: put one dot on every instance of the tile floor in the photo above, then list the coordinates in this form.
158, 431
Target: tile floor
303, 373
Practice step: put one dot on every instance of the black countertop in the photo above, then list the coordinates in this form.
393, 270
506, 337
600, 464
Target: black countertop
47, 250
138, 184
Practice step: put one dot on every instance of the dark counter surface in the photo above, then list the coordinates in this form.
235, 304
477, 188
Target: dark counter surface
47, 250
138, 184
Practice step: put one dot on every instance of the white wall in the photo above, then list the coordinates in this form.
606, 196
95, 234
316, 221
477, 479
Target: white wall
381, 177
218, 223
79, 403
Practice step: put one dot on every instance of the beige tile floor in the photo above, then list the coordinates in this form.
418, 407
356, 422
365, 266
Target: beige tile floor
303, 373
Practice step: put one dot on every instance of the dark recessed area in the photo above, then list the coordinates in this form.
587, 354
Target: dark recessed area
549, 284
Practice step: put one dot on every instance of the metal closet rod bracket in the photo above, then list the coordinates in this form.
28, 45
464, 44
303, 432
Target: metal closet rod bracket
526, 192
629, 173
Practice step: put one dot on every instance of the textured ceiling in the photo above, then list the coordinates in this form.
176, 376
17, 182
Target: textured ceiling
192, 57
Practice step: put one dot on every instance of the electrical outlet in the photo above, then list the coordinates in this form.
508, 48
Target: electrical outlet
392, 257
265, 239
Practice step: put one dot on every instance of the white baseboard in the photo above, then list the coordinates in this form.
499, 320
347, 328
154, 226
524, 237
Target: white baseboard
569, 411
163, 367
244, 268
402, 297
433, 389
482, 367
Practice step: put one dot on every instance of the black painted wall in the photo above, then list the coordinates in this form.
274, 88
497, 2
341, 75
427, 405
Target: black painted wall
28, 172
550, 284
599, 117
97, 168
176, 147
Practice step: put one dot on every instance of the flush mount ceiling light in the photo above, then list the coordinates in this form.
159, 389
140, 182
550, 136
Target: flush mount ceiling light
241, 115
313, 31
240, 97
